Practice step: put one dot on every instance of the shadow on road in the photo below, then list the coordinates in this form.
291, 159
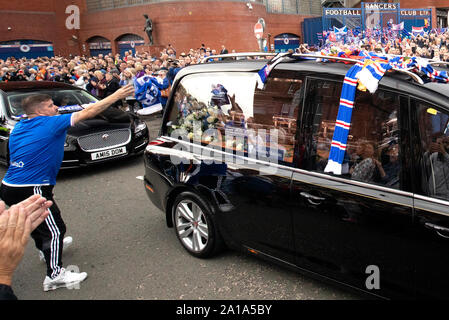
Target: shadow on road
119, 164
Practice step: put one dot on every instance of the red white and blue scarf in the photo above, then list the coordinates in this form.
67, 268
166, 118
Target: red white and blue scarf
367, 72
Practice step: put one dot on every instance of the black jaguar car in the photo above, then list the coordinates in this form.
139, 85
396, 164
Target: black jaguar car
112, 135
244, 166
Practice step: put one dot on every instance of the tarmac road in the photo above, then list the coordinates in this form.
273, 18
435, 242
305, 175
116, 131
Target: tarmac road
122, 242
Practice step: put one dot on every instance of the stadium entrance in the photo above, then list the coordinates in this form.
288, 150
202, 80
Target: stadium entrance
376, 19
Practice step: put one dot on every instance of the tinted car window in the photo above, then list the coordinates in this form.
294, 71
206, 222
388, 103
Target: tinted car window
60, 98
276, 108
434, 133
247, 119
373, 151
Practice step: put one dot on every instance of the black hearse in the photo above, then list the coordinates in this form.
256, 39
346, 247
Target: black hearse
382, 226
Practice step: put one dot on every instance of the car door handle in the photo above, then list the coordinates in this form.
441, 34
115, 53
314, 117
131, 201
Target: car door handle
438, 229
312, 199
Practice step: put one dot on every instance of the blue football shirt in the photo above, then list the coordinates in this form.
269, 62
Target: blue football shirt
36, 148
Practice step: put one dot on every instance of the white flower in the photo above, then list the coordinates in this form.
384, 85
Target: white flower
198, 133
230, 144
211, 119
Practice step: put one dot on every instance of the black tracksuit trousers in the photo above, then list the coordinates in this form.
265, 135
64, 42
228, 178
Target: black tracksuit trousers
49, 235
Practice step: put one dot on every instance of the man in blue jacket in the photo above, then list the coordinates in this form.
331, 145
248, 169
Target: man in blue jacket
36, 147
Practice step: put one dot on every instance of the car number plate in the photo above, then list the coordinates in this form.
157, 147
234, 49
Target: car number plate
108, 153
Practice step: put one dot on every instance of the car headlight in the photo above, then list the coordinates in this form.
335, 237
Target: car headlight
140, 126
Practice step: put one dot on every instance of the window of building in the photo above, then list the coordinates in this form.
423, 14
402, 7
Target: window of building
373, 153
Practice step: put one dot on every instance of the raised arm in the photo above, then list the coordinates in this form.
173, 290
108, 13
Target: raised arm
98, 107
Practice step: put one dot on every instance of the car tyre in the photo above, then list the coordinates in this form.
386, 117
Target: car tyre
194, 226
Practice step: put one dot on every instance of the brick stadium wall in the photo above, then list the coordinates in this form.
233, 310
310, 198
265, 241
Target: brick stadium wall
40, 20
424, 3
184, 24
188, 24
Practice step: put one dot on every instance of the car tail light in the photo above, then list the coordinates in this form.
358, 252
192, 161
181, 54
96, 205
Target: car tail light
156, 142
149, 188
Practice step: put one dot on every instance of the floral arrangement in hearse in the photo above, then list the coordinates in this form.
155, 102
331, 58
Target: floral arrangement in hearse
195, 118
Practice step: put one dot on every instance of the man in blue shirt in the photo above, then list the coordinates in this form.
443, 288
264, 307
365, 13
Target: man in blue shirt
36, 147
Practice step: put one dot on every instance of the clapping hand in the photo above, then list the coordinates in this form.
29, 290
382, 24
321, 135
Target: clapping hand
16, 224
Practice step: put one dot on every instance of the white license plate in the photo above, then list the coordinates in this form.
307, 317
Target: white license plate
108, 153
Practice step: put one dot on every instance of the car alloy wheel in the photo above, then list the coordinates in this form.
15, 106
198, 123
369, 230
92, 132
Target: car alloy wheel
195, 226
191, 226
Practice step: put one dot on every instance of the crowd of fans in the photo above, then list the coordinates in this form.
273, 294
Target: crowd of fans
431, 45
102, 75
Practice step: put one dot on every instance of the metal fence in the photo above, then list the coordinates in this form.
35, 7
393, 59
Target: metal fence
98, 5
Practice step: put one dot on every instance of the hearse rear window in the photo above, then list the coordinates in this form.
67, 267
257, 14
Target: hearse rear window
247, 119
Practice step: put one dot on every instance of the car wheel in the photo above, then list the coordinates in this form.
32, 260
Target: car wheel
194, 226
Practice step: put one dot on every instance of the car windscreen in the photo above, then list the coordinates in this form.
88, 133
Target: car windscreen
61, 98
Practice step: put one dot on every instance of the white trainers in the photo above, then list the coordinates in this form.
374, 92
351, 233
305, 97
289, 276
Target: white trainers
65, 279
67, 243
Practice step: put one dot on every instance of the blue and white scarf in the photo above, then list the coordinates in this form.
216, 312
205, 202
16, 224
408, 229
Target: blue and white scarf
146, 91
368, 75
263, 74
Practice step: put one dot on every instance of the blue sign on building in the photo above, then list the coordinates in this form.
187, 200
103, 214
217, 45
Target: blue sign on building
29, 49
286, 41
377, 16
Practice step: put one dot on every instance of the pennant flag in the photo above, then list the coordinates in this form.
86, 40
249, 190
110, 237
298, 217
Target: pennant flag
398, 27
418, 30
356, 31
341, 31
